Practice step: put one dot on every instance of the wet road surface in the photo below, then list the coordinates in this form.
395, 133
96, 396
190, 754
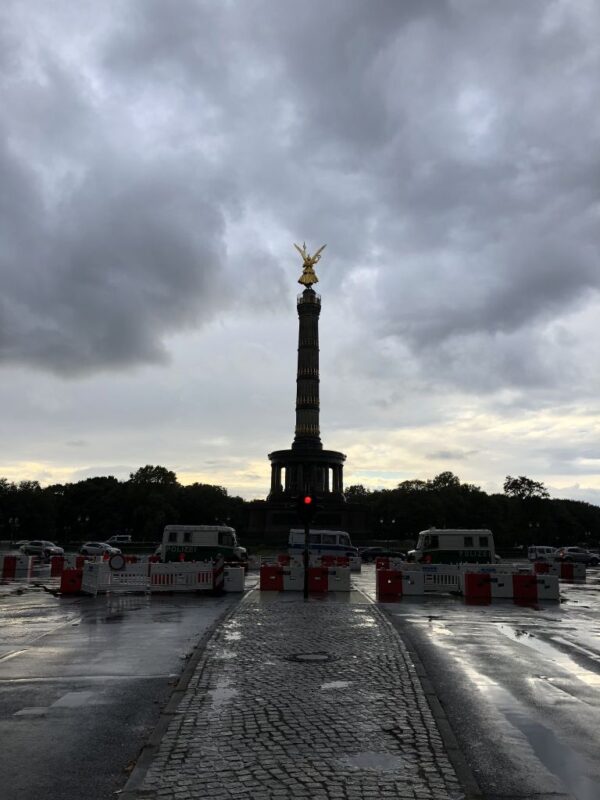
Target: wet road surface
82, 683
520, 686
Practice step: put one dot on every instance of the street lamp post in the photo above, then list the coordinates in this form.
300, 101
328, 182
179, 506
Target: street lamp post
13, 524
386, 523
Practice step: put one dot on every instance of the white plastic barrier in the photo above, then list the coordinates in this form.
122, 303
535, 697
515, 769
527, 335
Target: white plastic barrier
547, 587
339, 579
234, 579
355, 563
293, 578
413, 583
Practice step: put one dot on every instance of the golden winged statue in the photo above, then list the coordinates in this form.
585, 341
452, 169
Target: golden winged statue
309, 276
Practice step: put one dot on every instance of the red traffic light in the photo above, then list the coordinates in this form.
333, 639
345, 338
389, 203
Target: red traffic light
307, 500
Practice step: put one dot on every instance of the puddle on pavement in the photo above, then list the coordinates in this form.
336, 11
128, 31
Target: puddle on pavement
226, 655
381, 762
222, 694
335, 685
558, 758
552, 652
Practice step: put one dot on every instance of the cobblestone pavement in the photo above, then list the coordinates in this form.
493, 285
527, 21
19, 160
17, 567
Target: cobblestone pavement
295, 699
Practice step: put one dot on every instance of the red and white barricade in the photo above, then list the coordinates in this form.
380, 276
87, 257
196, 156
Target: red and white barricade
116, 576
218, 575
394, 584
16, 567
280, 578
483, 587
565, 570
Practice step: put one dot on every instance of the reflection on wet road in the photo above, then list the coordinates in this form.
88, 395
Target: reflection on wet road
82, 682
519, 685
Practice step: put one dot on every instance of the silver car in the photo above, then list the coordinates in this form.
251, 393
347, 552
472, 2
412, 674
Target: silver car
578, 555
98, 549
42, 548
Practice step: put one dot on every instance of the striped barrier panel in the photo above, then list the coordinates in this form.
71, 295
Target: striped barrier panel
99, 577
186, 576
218, 575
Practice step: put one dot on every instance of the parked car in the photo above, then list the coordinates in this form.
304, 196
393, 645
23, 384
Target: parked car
368, 554
119, 538
538, 552
98, 549
577, 554
42, 548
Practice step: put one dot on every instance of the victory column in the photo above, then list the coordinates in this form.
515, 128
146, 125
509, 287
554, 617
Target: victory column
306, 466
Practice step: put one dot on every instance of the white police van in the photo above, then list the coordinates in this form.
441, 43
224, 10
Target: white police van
200, 543
454, 546
324, 543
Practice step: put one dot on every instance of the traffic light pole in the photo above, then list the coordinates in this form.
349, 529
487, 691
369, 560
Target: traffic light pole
306, 559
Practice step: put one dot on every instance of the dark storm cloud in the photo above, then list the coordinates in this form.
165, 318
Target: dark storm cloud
151, 169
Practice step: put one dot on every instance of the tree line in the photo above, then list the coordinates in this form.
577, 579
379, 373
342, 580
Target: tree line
523, 514
152, 497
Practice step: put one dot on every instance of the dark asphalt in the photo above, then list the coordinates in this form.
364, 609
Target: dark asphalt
82, 683
519, 687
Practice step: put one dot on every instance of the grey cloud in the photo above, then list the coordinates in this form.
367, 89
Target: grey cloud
449, 147
450, 455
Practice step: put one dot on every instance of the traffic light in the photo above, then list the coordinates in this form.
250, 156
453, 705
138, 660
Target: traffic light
307, 507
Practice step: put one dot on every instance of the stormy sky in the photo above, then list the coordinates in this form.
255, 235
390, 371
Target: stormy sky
157, 161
